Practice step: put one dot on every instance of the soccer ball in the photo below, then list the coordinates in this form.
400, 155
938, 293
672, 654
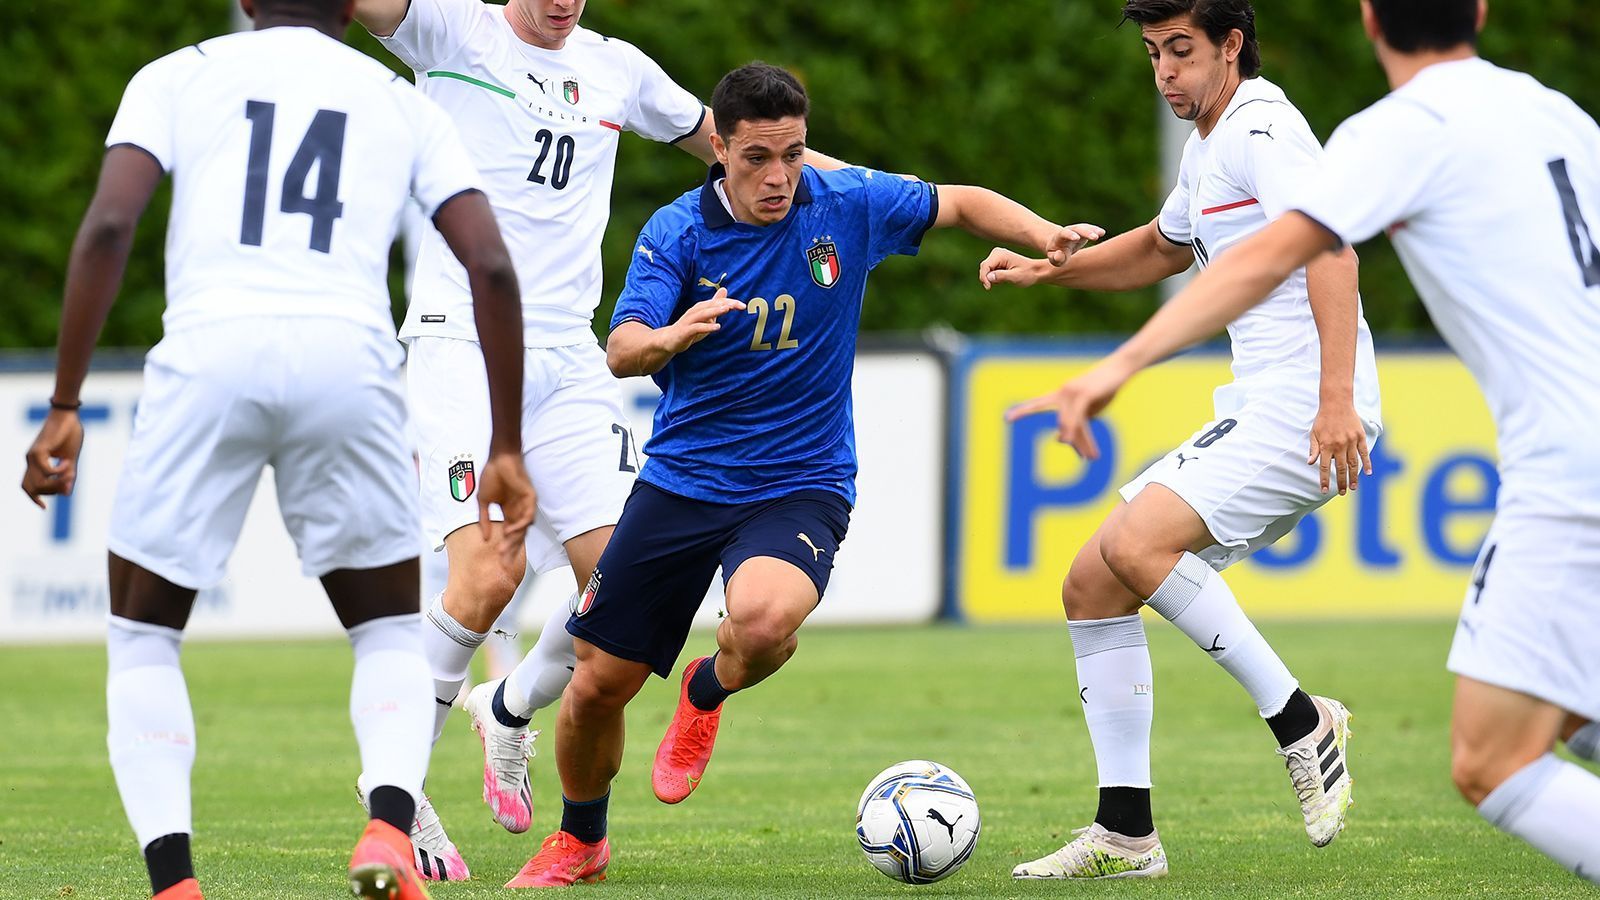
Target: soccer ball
917, 822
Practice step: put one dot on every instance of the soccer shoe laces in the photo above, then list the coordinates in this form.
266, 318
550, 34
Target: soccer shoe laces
1302, 763
511, 750
426, 829
697, 734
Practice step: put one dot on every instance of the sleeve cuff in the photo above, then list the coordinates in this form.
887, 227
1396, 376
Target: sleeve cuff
1170, 238
153, 158
1339, 243
693, 131
933, 211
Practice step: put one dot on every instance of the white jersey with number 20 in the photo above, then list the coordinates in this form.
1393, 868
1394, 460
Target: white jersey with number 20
1489, 184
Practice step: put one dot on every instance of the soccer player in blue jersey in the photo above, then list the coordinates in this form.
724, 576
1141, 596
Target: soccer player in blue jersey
752, 465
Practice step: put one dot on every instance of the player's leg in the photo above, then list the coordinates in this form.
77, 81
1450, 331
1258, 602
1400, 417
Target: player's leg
151, 733
581, 458
1115, 685
632, 620
1582, 737
449, 400
345, 482
777, 564
200, 440
1501, 761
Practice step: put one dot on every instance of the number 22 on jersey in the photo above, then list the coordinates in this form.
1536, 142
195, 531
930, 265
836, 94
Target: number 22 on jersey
322, 145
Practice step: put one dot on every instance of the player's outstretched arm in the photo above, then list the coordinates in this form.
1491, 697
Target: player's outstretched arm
1130, 261
1227, 288
381, 17
993, 217
467, 225
635, 348
128, 177
1338, 436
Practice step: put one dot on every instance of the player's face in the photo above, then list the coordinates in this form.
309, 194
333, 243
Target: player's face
1191, 71
551, 20
763, 158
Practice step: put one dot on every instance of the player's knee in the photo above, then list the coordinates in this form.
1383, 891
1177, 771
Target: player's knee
764, 637
595, 694
1122, 551
1477, 769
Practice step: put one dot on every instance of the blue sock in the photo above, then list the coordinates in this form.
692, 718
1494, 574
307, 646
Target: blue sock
503, 715
585, 821
705, 691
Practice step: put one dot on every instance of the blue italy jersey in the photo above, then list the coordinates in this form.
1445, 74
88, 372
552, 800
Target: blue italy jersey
761, 408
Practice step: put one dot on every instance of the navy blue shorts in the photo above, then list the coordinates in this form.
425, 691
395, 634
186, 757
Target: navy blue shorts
660, 561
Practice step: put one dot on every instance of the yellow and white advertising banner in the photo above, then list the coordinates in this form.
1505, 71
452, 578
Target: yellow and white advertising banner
1402, 545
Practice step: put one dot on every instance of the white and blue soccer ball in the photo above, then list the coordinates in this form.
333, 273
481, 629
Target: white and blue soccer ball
918, 822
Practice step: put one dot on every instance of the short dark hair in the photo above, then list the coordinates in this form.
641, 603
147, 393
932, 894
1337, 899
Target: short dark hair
757, 91
1410, 26
1215, 17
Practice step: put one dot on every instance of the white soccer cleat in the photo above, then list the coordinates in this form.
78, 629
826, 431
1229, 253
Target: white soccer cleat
1098, 853
1320, 772
506, 751
436, 857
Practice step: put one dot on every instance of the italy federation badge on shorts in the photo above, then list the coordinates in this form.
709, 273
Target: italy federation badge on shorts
462, 479
824, 259
585, 601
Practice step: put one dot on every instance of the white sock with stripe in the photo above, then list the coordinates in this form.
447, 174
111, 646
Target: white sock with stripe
151, 727
390, 703
1196, 599
449, 646
1555, 806
543, 674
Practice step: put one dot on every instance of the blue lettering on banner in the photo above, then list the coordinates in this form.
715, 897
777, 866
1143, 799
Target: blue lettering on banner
1369, 510
1026, 497
1439, 506
61, 513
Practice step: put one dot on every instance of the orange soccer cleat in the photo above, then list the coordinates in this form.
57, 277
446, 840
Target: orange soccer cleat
381, 867
187, 889
685, 751
564, 860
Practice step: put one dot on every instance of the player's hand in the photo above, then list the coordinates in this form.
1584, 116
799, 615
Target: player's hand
52, 461
1075, 403
700, 320
1339, 442
1004, 266
1070, 240
505, 482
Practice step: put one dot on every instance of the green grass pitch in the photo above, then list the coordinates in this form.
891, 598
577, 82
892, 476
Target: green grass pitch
275, 811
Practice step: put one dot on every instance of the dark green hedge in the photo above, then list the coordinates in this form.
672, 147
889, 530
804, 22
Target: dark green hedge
1045, 100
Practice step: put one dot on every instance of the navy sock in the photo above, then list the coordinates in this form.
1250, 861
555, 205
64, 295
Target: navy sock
585, 821
393, 805
1125, 810
167, 857
1298, 719
705, 691
503, 715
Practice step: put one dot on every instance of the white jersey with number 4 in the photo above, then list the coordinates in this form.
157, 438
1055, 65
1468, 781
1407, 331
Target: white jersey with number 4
1231, 183
543, 127
1489, 184
292, 156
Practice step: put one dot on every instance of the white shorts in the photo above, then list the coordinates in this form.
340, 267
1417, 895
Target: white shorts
1246, 474
575, 438
1531, 618
318, 400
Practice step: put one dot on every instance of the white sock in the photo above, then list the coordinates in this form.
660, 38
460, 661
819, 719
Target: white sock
1196, 599
543, 674
1585, 742
1555, 806
390, 702
449, 646
1114, 682
151, 733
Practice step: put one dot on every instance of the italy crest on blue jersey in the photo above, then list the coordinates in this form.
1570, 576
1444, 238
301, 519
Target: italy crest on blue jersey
761, 408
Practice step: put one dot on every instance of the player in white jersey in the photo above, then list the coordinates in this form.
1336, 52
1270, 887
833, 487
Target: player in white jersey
291, 157
542, 103
1242, 480
1487, 183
